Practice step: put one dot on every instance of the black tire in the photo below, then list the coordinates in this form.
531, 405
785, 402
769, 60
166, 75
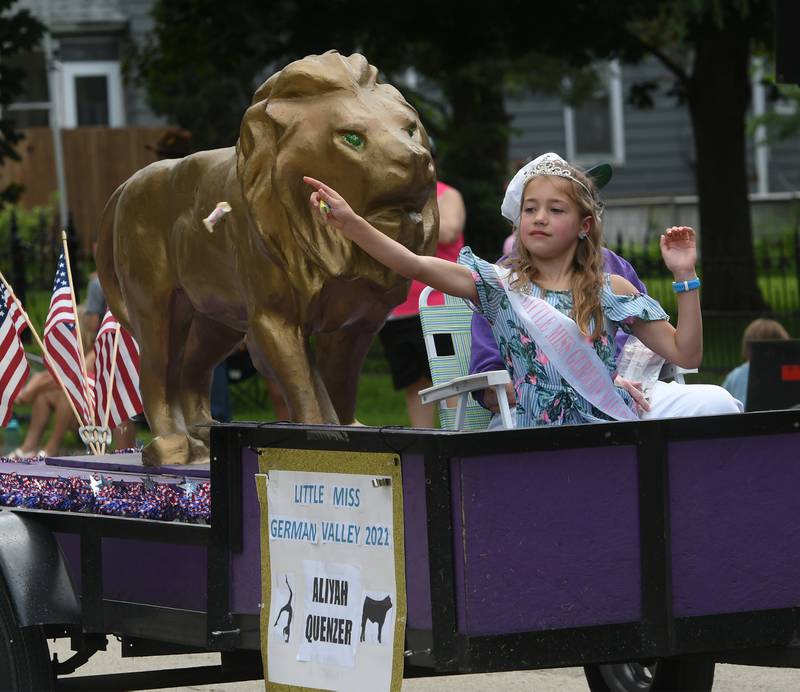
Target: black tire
659, 676
24, 657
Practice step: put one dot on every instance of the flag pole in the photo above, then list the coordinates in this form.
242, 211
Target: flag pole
53, 371
110, 391
86, 393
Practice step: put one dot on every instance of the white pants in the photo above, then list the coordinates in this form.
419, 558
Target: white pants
674, 400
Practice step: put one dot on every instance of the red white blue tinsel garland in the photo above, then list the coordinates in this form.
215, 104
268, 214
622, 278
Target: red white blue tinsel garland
189, 501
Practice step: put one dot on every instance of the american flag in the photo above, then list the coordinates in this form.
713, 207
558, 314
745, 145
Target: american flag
14, 368
63, 345
125, 400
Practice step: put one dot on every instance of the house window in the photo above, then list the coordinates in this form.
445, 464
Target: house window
594, 129
32, 106
92, 93
91, 100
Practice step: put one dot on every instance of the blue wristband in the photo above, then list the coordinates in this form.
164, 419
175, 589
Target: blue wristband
684, 286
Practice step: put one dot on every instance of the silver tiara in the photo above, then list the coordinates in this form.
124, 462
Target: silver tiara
550, 167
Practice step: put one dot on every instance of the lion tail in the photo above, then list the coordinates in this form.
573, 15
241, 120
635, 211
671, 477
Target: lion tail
104, 258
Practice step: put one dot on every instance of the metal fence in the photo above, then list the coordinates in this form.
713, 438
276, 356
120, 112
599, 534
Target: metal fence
29, 248
778, 270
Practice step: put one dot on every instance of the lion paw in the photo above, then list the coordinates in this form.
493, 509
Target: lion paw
201, 432
198, 450
166, 450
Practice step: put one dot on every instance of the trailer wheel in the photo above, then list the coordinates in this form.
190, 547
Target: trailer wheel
24, 656
659, 676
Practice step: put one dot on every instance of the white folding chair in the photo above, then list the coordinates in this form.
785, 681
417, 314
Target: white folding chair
447, 330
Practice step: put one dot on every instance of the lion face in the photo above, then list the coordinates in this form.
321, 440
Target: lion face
326, 116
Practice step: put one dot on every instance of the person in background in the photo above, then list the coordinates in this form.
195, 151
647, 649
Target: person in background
47, 399
220, 398
736, 380
401, 336
280, 408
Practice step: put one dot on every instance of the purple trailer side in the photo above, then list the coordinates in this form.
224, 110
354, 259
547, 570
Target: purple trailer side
735, 524
544, 540
528, 548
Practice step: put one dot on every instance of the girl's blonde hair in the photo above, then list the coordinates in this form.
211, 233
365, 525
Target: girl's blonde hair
587, 265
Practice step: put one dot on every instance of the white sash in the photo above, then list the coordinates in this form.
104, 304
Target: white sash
568, 351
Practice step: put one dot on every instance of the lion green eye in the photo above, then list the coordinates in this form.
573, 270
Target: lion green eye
411, 130
354, 140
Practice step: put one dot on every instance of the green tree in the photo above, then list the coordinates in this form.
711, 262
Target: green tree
207, 57
779, 125
201, 62
473, 58
19, 32
707, 45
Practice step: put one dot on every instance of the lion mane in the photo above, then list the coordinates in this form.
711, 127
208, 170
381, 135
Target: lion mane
282, 125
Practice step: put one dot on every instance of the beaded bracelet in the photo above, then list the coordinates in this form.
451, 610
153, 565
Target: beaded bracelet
684, 286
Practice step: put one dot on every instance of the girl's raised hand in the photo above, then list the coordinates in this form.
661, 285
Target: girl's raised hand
679, 250
330, 204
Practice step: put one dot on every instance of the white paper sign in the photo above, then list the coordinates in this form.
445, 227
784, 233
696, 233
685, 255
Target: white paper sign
332, 598
333, 585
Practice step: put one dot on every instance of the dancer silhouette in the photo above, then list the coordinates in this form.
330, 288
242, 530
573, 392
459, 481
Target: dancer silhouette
288, 608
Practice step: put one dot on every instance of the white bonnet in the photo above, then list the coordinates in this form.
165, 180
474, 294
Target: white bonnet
512, 202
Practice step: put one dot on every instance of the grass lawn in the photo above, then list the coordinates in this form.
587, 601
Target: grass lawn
781, 292
378, 404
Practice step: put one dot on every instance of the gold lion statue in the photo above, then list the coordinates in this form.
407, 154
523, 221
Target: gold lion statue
270, 271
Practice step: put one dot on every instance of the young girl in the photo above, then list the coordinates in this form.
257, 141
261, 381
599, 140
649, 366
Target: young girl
552, 309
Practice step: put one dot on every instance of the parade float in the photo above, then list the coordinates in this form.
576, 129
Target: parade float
320, 555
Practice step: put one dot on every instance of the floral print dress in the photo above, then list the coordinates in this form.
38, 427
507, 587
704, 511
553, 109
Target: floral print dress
543, 396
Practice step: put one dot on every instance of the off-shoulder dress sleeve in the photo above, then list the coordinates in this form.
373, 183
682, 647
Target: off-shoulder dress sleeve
624, 309
491, 296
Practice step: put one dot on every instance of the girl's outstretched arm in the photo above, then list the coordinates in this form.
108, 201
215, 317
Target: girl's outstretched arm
443, 275
683, 345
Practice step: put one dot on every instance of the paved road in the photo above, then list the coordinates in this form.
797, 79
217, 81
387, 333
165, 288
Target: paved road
727, 679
